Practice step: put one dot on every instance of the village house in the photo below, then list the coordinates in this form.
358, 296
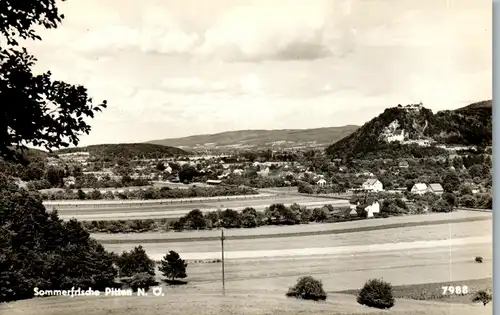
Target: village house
321, 182
371, 209
364, 173
403, 164
373, 185
238, 172
419, 189
264, 172
435, 189
69, 181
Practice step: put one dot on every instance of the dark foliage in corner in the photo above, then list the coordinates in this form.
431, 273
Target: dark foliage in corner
37, 249
37, 110
483, 296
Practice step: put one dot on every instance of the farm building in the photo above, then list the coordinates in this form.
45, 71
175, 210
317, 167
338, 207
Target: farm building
435, 189
345, 213
419, 189
372, 208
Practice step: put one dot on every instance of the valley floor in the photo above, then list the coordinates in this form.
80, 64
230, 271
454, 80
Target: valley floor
258, 273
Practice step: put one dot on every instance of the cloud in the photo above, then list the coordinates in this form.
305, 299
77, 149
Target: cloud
258, 30
265, 30
249, 84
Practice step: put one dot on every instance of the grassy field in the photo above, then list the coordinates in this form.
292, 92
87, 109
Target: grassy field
442, 232
178, 302
257, 284
129, 212
91, 204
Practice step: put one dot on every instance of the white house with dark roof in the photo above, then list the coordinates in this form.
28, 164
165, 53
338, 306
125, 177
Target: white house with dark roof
435, 189
373, 184
419, 188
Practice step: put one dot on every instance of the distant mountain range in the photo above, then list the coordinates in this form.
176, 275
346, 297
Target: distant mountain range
248, 139
408, 130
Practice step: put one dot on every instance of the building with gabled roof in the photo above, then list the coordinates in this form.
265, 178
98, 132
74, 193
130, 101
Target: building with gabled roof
373, 184
419, 188
435, 188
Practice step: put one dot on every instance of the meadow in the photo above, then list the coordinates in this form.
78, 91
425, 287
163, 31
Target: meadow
259, 271
126, 211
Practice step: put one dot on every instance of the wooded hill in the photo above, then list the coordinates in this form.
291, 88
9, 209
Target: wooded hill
128, 150
469, 125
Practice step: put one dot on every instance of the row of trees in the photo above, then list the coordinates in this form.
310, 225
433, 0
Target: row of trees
151, 193
276, 214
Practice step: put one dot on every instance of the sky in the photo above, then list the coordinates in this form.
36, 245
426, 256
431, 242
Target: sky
174, 68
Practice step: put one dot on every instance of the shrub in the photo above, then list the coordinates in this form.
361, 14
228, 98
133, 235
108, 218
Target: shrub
307, 288
143, 281
479, 259
376, 293
482, 296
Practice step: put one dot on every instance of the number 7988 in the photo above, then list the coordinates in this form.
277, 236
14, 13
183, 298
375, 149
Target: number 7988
455, 290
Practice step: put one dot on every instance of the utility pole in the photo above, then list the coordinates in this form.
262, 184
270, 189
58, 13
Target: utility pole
223, 276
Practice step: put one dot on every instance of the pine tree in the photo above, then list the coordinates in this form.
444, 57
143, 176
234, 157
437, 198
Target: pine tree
172, 266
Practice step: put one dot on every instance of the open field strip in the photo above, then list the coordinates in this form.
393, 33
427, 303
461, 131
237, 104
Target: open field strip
299, 230
176, 211
186, 204
311, 251
448, 234
439, 264
111, 203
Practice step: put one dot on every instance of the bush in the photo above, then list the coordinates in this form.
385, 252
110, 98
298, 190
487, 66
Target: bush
307, 288
142, 281
482, 296
376, 293
479, 259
